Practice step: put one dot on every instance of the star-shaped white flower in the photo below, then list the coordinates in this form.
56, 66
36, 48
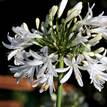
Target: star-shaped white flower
26, 67
23, 39
46, 71
96, 71
45, 77
73, 65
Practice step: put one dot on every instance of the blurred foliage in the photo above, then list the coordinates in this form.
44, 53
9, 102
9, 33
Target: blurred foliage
74, 99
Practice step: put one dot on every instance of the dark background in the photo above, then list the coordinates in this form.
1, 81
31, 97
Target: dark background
15, 12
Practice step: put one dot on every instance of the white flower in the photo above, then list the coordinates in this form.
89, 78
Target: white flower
98, 77
24, 33
26, 70
96, 71
22, 39
26, 66
45, 77
72, 66
94, 21
46, 71
89, 14
62, 7
98, 21
73, 36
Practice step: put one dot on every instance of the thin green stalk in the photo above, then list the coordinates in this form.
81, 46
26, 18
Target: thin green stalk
59, 92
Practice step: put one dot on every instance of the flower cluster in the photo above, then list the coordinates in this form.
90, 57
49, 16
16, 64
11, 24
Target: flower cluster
72, 39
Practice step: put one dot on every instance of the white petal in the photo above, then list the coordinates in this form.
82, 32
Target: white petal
51, 89
42, 70
97, 86
8, 46
103, 60
97, 21
17, 69
78, 76
41, 90
45, 50
99, 50
36, 36
67, 76
53, 57
80, 58
60, 70
18, 74
43, 80
62, 7
50, 80
11, 54
67, 62
24, 25
103, 76
31, 71
98, 67
35, 55
35, 83
10, 38
34, 63
89, 13
18, 62
51, 84
51, 69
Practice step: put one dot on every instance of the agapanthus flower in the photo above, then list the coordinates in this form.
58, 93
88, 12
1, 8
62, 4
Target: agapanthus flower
23, 38
72, 65
46, 72
26, 68
71, 39
96, 71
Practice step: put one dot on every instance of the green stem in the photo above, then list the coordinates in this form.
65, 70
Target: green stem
59, 92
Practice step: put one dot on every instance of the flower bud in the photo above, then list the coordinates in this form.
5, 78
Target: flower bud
62, 7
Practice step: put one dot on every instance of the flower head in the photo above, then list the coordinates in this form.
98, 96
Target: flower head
72, 40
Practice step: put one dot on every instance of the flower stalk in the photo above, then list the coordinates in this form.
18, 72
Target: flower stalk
60, 85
